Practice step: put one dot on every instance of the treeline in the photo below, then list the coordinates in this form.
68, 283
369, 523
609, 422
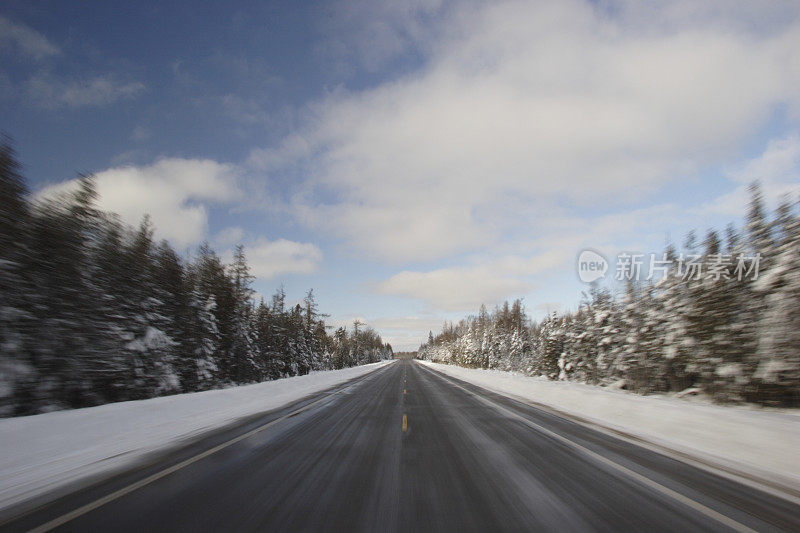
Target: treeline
93, 311
732, 339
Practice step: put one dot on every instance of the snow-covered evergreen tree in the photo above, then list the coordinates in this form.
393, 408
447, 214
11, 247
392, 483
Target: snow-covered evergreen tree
777, 373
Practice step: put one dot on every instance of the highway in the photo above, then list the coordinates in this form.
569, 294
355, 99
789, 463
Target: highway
405, 449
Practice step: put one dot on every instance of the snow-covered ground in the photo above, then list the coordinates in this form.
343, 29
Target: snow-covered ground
762, 443
43, 452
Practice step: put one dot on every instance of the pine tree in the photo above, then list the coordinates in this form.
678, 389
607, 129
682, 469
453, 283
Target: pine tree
243, 368
67, 314
678, 345
203, 372
213, 283
777, 374
18, 375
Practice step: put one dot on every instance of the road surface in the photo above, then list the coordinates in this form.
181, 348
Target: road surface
405, 448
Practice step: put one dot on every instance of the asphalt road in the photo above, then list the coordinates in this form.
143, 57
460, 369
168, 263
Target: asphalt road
407, 449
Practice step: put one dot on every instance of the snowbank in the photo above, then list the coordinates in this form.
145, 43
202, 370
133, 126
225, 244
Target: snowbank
760, 443
43, 452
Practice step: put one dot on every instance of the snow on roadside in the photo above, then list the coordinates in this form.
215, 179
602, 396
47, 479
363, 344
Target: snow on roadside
751, 440
43, 452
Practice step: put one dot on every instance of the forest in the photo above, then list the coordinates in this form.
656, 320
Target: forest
732, 338
94, 311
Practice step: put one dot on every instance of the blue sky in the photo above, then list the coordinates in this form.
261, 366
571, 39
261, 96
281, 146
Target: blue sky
410, 160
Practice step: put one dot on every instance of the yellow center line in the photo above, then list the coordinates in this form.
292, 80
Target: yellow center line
405, 422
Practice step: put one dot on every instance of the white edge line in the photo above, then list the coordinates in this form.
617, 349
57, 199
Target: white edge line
780, 490
707, 511
63, 519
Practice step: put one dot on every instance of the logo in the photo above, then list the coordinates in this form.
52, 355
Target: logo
591, 266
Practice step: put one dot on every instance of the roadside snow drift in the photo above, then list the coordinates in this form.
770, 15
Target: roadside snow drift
759, 442
43, 452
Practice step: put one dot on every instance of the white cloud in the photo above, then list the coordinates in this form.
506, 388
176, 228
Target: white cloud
291, 149
777, 169
21, 38
407, 323
515, 267
778, 164
452, 289
129, 157
268, 259
174, 192
466, 288
544, 103
535, 126
51, 92
227, 237
373, 34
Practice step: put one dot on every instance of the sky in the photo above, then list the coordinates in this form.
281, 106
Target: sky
410, 160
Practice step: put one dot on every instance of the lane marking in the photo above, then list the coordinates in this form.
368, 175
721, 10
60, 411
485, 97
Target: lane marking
63, 519
405, 422
404, 391
778, 490
697, 506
